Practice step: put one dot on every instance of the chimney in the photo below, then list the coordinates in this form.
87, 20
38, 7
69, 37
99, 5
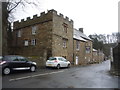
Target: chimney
81, 30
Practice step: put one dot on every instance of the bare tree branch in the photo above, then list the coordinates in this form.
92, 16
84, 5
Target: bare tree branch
14, 6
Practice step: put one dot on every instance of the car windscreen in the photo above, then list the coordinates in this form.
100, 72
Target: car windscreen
52, 58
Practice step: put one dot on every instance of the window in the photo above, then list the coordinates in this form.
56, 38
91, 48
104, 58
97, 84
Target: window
9, 58
34, 28
64, 43
19, 33
87, 49
22, 59
63, 59
26, 43
77, 45
52, 58
33, 42
65, 27
60, 59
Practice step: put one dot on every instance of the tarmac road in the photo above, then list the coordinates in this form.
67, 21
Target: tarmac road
91, 76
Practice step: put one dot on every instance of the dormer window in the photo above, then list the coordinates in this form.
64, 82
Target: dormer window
34, 29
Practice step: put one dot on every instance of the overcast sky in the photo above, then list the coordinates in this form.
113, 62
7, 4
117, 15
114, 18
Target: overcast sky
95, 16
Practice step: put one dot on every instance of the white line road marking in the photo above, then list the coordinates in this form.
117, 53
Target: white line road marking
21, 78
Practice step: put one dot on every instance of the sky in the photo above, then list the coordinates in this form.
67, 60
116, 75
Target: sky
95, 16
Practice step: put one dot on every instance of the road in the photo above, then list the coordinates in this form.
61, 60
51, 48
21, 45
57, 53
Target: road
91, 76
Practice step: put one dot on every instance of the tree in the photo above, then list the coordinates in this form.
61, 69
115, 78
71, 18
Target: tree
104, 42
97, 41
8, 9
13, 5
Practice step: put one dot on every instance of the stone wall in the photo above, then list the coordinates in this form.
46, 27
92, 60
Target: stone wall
88, 56
42, 50
116, 60
59, 35
95, 57
49, 37
79, 53
101, 56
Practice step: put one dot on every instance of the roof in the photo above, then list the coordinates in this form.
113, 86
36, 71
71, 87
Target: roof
80, 36
76, 36
94, 50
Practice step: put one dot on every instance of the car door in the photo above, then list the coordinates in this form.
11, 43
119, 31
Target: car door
65, 62
61, 62
23, 62
12, 61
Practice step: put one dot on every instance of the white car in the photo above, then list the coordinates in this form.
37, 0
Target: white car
57, 62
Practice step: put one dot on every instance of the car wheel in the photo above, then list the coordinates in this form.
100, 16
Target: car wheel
58, 66
68, 66
32, 68
6, 71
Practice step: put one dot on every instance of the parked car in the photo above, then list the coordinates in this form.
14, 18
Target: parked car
9, 63
57, 62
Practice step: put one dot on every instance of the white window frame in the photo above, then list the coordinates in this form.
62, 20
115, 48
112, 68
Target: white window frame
26, 43
34, 29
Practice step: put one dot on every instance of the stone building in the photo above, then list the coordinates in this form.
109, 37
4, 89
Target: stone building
98, 56
95, 56
101, 56
82, 48
41, 37
50, 35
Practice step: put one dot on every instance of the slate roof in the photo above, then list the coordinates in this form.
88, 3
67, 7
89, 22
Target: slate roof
80, 36
94, 50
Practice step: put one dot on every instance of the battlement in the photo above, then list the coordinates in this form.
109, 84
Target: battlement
42, 15
35, 16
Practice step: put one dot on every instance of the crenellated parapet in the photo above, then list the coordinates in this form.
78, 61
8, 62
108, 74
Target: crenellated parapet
60, 15
44, 16
35, 16
42, 13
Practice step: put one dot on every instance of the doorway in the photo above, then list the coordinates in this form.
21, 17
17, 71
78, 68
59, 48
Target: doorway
76, 60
